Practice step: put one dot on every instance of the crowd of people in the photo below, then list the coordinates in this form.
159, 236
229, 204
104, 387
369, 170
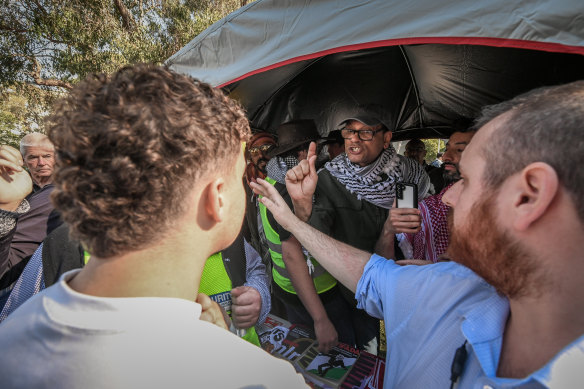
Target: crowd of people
152, 230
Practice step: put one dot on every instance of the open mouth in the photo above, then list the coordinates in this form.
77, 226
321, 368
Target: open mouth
354, 149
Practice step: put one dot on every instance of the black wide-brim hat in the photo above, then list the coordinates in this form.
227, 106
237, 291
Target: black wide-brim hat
293, 134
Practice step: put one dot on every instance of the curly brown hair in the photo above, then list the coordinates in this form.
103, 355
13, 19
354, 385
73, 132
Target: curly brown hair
130, 148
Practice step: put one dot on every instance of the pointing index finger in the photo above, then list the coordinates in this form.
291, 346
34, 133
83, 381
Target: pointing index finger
311, 150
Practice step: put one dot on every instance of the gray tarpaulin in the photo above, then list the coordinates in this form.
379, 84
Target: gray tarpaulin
429, 64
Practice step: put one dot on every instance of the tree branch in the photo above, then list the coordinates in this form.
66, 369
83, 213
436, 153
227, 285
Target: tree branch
127, 19
4, 27
36, 75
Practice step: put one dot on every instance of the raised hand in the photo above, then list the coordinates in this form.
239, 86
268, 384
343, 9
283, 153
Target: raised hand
274, 202
15, 182
301, 183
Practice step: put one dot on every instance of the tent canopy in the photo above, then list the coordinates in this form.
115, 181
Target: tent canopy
430, 65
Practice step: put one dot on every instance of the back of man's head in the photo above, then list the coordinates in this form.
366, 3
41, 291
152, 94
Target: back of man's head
416, 149
543, 125
34, 139
130, 149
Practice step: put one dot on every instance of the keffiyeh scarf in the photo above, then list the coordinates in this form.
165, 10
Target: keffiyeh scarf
278, 166
432, 240
376, 182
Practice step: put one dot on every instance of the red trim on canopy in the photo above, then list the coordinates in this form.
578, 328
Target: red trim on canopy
496, 42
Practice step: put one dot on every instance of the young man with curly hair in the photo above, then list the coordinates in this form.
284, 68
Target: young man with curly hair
149, 179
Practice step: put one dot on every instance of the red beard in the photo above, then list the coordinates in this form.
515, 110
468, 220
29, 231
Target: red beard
491, 253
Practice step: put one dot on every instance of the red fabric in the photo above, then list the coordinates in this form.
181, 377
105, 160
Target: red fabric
481, 41
432, 240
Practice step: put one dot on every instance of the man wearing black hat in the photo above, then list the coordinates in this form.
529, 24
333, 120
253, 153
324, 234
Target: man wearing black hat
308, 292
355, 192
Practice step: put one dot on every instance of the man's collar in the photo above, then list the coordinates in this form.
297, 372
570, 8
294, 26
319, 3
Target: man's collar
36, 187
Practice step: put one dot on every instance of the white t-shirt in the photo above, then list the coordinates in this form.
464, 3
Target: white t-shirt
64, 339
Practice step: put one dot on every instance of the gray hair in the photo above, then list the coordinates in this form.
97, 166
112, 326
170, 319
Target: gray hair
34, 139
543, 125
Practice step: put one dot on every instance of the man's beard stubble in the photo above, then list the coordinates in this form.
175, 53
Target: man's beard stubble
264, 163
450, 176
485, 248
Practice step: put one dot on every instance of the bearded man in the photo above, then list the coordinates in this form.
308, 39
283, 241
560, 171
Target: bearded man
430, 236
508, 312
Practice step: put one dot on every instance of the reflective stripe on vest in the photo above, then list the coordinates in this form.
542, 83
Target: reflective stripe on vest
323, 281
216, 284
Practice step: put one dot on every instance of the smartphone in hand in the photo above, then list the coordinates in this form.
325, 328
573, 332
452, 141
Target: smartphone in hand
406, 195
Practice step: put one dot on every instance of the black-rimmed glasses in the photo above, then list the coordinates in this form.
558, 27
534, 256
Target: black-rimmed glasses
364, 135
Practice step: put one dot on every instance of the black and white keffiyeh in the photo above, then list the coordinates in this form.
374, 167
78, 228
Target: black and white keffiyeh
277, 167
376, 182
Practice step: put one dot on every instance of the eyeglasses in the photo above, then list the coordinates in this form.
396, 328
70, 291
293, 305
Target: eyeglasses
262, 148
364, 135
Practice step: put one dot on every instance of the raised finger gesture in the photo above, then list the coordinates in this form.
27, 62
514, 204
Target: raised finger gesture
301, 183
301, 179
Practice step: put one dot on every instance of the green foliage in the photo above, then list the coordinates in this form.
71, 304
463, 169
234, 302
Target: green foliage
46, 46
433, 146
18, 116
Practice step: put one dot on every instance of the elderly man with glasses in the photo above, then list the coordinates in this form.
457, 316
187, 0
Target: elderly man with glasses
355, 192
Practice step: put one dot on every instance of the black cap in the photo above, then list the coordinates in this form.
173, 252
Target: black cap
370, 115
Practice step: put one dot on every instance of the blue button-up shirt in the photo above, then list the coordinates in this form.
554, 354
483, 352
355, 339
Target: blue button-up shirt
430, 311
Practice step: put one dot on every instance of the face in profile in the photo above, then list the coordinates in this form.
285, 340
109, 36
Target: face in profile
479, 238
490, 251
451, 157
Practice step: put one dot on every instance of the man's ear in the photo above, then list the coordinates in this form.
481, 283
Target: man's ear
214, 200
387, 138
537, 187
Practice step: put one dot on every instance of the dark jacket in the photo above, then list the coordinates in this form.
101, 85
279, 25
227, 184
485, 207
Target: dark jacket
17, 247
